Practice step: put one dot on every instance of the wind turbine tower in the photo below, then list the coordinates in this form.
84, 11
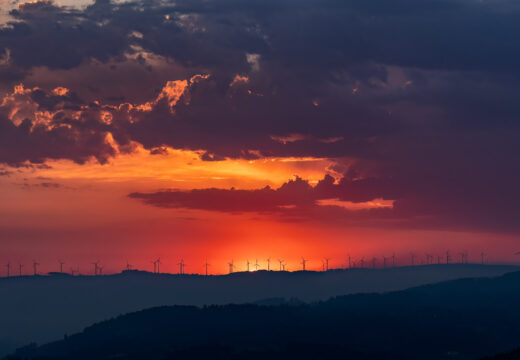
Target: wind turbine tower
96, 267
181, 267
304, 262
327, 264
8, 268
158, 265
231, 267
280, 261
35, 267
268, 264
206, 266
256, 264
61, 265
248, 263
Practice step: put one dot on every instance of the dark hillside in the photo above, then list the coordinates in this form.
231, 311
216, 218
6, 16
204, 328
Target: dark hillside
462, 319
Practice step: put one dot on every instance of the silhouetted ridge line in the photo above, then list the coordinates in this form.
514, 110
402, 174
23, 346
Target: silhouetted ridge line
469, 317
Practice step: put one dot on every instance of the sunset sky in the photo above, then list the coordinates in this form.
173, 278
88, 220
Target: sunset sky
245, 129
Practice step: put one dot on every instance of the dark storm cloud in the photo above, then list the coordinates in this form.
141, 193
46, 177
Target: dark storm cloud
52, 101
36, 126
230, 124
49, 35
341, 36
295, 192
437, 203
423, 94
37, 143
295, 200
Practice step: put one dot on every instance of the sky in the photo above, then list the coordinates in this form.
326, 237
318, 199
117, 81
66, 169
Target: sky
235, 130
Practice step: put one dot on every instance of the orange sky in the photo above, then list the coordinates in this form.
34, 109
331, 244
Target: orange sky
82, 213
89, 218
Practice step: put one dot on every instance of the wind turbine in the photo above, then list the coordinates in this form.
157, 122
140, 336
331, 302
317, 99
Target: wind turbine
181, 267
128, 266
393, 260
413, 259
154, 262
8, 268
268, 264
35, 267
248, 263
231, 267
304, 262
447, 257
158, 265
281, 263
327, 264
322, 265
206, 266
374, 260
96, 267
349, 262
61, 265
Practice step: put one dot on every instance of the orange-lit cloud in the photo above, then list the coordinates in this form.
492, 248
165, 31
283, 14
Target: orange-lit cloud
373, 204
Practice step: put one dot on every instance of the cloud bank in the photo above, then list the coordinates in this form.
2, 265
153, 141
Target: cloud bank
420, 96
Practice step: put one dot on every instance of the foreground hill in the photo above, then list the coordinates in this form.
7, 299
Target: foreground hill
460, 319
511, 355
44, 308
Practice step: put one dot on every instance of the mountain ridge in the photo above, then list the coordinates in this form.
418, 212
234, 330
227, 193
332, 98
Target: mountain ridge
465, 319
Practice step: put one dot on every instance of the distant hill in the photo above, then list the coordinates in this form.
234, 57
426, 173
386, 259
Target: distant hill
511, 355
460, 319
